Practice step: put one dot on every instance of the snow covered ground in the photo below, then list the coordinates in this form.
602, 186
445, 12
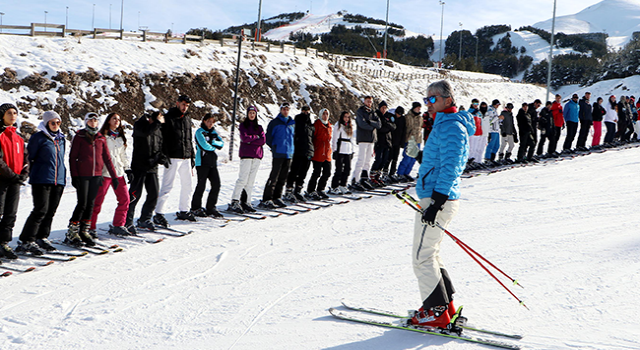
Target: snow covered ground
566, 231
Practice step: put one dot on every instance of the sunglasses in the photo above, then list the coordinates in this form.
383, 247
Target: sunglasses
430, 99
475, 104
55, 122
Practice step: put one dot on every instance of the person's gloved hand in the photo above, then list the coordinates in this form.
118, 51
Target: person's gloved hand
412, 149
129, 174
515, 138
437, 203
75, 182
115, 183
193, 163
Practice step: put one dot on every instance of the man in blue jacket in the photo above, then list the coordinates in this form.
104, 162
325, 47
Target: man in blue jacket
279, 135
443, 159
571, 114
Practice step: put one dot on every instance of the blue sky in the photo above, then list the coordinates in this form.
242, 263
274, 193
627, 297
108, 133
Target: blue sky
421, 16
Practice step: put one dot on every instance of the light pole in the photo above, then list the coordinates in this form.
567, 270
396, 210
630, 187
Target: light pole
109, 16
386, 32
93, 16
477, 39
460, 54
441, 25
138, 20
66, 21
553, 28
1, 14
258, 34
45, 20
121, 14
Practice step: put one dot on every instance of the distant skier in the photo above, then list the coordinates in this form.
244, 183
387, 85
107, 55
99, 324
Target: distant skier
321, 157
208, 142
571, 113
508, 133
414, 122
494, 131
342, 143
610, 119
527, 142
558, 124
302, 154
443, 160
586, 120
546, 127
383, 144
367, 123
597, 113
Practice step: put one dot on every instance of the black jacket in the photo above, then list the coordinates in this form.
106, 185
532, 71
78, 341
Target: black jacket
597, 112
303, 136
545, 122
367, 123
399, 134
388, 125
585, 111
524, 123
531, 110
147, 146
177, 135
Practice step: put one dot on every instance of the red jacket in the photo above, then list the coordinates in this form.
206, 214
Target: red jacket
13, 157
558, 118
478, 121
322, 141
89, 154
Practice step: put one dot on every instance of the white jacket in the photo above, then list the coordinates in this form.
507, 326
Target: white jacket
346, 147
611, 115
118, 154
494, 120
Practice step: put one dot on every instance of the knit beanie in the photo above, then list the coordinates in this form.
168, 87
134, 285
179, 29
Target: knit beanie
49, 116
4, 108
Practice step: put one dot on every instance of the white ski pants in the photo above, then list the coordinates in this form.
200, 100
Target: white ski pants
246, 177
426, 247
183, 168
365, 154
477, 145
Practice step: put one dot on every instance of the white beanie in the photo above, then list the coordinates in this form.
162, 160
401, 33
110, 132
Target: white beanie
50, 115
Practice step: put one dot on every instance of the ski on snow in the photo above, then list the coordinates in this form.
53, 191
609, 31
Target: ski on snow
400, 324
398, 315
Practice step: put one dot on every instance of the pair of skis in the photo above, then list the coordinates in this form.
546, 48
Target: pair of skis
398, 321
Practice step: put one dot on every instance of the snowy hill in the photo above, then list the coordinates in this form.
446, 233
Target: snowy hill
320, 24
618, 18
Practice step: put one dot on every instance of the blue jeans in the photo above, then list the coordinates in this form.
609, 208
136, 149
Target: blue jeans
406, 165
493, 146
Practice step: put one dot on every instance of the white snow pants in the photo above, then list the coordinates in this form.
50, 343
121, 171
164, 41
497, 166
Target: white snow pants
476, 147
183, 168
426, 247
365, 154
246, 177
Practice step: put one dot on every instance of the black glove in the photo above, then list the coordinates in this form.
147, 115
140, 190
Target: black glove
129, 174
164, 161
437, 203
20, 179
489, 138
115, 182
335, 155
515, 138
504, 134
75, 182
193, 163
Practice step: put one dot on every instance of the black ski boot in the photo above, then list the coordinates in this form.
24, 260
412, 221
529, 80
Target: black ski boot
119, 231
45, 244
72, 237
214, 213
146, 225
185, 215
6, 251
29, 247
84, 234
159, 220
248, 207
289, 196
235, 207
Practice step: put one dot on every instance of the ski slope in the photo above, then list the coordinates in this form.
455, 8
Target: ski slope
618, 18
566, 231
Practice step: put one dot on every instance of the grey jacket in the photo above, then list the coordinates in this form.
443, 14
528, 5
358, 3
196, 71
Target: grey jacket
367, 123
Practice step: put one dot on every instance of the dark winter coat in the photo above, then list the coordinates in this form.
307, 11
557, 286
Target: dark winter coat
208, 141
585, 113
252, 139
533, 112
279, 135
598, 112
388, 125
507, 127
399, 134
524, 124
177, 135
89, 154
624, 114
427, 126
413, 124
303, 136
46, 157
367, 123
147, 145
14, 161
545, 122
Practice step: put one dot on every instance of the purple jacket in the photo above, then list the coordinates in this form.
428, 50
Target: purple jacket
252, 139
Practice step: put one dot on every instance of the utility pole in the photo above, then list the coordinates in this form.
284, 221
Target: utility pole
121, 14
1, 14
477, 39
553, 28
460, 54
109, 16
386, 32
138, 20
235, 94
441, 25
93, 17
45, 20
258, 34
66, 21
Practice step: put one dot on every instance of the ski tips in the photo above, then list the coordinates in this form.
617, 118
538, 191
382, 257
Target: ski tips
522, 303
516, 283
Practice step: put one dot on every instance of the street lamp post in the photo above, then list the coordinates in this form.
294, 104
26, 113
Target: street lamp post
258, 34
441, 25
93, 17
45, 20
66, 21
121, 14
386, 32
553, 28
1, 14
109, 16
460, 54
